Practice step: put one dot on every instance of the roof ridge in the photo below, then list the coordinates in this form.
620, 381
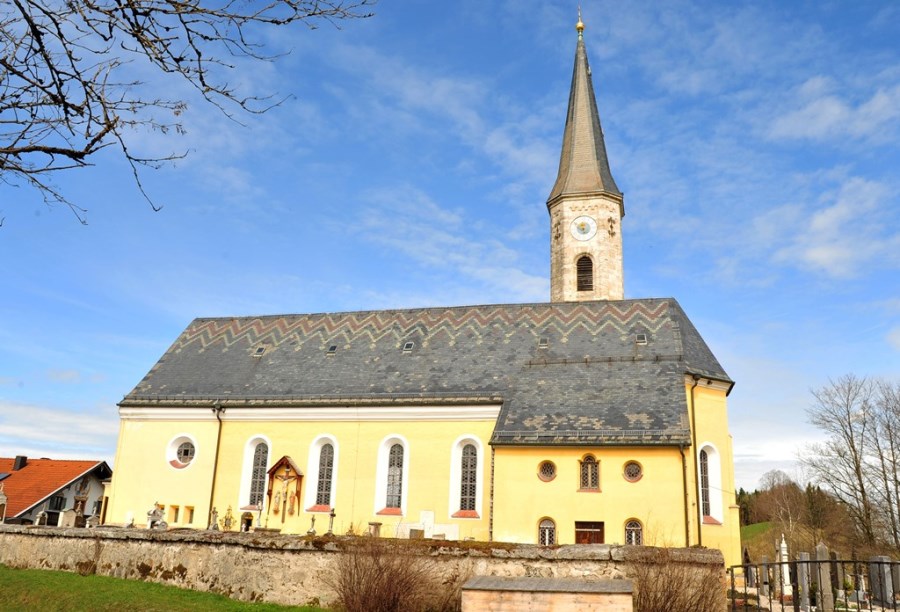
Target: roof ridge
429, 309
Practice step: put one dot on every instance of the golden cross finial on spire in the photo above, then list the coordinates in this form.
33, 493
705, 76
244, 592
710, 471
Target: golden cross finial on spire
580, 25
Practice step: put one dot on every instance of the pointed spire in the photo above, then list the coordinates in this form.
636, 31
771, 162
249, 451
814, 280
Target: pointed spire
583, 166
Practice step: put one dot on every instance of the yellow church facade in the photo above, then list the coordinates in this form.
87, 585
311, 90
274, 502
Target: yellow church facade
289, 498
588, 419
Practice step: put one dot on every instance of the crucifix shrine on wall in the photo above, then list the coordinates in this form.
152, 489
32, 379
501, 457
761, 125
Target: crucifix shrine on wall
284, 489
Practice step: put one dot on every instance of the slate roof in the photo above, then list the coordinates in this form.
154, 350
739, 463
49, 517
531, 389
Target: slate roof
41, 478
591, 384
583, 164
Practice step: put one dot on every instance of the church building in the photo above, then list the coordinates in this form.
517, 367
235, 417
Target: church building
588, 419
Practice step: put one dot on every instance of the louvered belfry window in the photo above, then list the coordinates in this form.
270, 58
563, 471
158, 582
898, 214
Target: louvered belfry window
258, 475
326, 466
590, 473
469, 477
395, 476
585, 273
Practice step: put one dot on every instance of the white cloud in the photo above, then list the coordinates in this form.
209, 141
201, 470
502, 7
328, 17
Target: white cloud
41, 431
748, 472
408, 221
893, 337
64, 376
824, 114
848, 234
396, 98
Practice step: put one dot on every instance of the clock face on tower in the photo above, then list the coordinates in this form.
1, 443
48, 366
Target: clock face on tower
584, 228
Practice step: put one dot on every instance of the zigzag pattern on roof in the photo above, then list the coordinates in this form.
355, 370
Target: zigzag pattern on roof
472, 323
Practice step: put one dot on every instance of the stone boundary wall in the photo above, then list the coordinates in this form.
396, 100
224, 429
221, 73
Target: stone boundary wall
291, 569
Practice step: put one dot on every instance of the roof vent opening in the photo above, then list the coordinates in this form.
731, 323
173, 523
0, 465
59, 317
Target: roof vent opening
640, 339
260, 351
408, 346
331, 350
543, 342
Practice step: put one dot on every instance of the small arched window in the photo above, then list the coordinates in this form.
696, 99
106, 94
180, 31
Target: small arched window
547, 532
469, 483
584, 269
634, 533
258, 474
395, 477
590, 474
704, 482
326, 467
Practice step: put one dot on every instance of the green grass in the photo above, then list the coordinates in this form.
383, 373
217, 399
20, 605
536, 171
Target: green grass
750, 532
758, 540
22, 589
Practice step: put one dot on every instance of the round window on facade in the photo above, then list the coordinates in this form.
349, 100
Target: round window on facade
547, 471
181, 452
633, 471
185, 452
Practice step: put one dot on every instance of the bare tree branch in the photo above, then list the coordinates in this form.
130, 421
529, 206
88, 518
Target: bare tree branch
859, 462
64, 94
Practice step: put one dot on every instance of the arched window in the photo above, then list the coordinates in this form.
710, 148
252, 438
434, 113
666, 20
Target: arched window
709, 475
466, 469
547, 532
704, 482
590, 474
395, 477
634, 533
254, 473
326, 466
392, 481
322, 465
469, 480
584, 273
258, 474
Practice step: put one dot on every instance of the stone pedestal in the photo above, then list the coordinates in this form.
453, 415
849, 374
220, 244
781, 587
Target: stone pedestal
503, 594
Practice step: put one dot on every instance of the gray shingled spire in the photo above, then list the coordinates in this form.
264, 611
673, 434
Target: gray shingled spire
583, 166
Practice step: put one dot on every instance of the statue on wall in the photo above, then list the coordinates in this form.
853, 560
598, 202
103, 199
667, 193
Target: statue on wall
229, 519
155, 517
214, 520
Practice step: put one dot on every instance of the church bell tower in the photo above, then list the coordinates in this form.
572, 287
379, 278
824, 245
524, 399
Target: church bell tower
585, 206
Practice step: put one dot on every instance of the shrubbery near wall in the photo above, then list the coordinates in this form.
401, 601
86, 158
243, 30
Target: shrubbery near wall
662, 583
380, 575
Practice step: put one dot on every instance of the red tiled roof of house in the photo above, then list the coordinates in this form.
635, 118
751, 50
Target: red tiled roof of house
39, 479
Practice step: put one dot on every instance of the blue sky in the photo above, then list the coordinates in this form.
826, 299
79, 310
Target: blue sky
756, 145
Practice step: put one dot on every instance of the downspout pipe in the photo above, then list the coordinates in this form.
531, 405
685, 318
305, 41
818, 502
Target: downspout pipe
696, 471
218, 410
687, 516
491, 506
